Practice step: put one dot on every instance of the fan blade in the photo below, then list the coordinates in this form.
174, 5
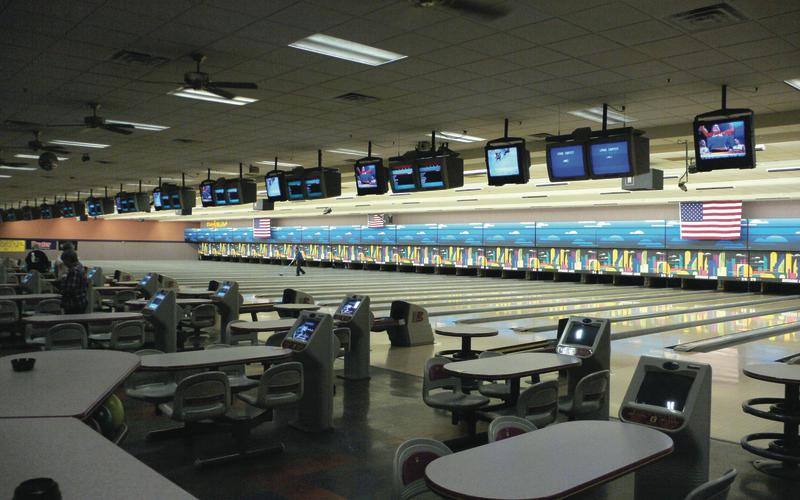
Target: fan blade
477, 8
12, 163
52, 125
20, 123
220, 92
118, 129
234, 85
54, 149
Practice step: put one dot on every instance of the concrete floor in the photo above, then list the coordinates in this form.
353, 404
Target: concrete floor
490, 300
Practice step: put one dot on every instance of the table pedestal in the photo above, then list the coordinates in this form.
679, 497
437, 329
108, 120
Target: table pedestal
783, 449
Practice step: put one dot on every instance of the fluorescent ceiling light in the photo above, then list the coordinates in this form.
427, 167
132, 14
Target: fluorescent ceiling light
95, 145
455, 136
345, 151
345, 49
794, 82
280, 163
143, 184
139, 126
202, 95
475, 172
2, 176
222, 172
761, 147
783, 169
9, 167
551, 184
596, 115
36, 157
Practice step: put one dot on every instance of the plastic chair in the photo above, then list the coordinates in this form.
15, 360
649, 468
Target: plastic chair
237, 377
124, 336
65, 336
588, 397
119, 299
450, 397
9, 316
151, 387
34, 335
499, 390
7, 290
716, 489
509, 426
410, 460
280, 386
276, 339
235, 338
202, 396
48, 306
200, 317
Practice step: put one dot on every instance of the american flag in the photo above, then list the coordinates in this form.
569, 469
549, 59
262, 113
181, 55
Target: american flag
376, 220
262, 228
711, 220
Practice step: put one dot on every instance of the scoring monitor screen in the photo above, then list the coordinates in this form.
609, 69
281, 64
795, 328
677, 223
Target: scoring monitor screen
666, 390
223, 290
610, 158
295, 189
219, 194
350, 307
313, 187
367, 176
206, 197
721, 139
305, 330
274, 187
403, 178
580, 334
431, 176
503, 162
566, 162
233, 195
157, 199
157, 299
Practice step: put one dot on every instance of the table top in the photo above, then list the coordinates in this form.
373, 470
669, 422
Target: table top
81, 461
114, 289
511, 365
180, 302
212, 357
262, 306
548, 463
780, 373
127, 284
465, 331
262, 326
95, 317
194, 292
31, 296
297, 307
62, 383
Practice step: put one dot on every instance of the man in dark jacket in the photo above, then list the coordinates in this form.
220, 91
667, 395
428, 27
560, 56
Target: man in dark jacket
299, 261
74, 285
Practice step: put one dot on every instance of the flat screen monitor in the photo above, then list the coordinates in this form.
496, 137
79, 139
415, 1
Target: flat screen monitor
276, 186
305, 330
431, 174
722, 142
611, 158
157, 199
156, 301
580, 333
507, 162
566, 162
313, 186
233, 192
223, 290
370, 176
47, 211
349, 307
206, 193
402, 178
219, 193
665, 390
294, 188
93, 207
175, 201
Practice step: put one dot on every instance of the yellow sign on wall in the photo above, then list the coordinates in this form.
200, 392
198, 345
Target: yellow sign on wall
217, 223
12, 246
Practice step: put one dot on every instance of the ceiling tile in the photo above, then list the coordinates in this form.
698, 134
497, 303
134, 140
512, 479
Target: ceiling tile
647, 31
549, 31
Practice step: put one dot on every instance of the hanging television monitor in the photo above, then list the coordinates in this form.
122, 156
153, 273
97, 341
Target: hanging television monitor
371, 176
724, 139
322, 182
507, 161
440, 172
403, 177
96, 207
275, 183
31, 213
47, 211
616, 156
566, 161
157, 204
220, 193
187, 197
207, 193
72, 208
295, 189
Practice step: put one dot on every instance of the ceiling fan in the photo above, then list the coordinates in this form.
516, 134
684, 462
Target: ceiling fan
37, 145
93, 121
483, 9
199, 80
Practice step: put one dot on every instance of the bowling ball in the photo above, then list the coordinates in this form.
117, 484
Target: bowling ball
114, 405
105, 421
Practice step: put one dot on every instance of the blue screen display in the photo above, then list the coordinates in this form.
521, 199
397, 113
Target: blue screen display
304, 330
503, 162
610, 158
233, 195
157, 200
295, 188
430, 176
153, 305
176, 201
566, 162
314, 187
219, 195
403, 178
274, 187
205, 194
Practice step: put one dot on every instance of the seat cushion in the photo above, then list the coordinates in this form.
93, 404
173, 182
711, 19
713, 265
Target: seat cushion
455, 401
495, 390
154, 393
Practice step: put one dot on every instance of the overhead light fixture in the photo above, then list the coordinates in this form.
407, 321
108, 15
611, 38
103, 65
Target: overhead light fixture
345, 151
9, 167
222, 172
711, 188
551, 184
455, 136
480, 171
139, 126
36, 157
3, 176
143, 184
202, 95
783, 169
347, 50
280, 163
794, 83
761, 147
79, 144
596, 115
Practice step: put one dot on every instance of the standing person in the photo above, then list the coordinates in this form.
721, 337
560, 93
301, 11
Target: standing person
74, 285
61, 269
299, 261
37, 260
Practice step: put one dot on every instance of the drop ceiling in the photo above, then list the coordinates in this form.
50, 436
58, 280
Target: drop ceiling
462, 74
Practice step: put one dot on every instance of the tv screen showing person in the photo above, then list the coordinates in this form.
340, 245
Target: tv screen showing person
723, 139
